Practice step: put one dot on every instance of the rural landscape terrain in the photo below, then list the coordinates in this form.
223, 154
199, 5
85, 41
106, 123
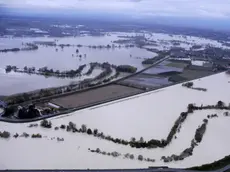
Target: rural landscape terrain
117, 96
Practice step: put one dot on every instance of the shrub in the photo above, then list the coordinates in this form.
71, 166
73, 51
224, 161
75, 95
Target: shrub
33, 125
16, 135
117, 140
115, 154
141, 140
95, 131
36, 136
220, 103
72, 126
126, 68
140, 158
108, 138
200, 132
131, 156
84, 128
98, 150
183, 114
124, 142
89, 131
127, 155
46, 124
226, 113
190, 108
60, 139
132, 139
68, 128
63, 126
25, 135
205, 121
188, 84
4, 134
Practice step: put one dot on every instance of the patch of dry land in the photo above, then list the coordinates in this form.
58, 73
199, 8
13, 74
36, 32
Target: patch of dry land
94, 96
149, 115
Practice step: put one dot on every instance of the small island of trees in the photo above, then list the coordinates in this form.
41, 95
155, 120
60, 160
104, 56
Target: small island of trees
29, 47
46, 71
126, 68
190, 85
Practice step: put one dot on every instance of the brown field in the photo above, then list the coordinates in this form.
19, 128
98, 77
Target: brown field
94, 96
194, 74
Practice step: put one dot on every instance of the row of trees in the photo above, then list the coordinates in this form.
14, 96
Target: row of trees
29, 47
200, 131
71, 73
7, 134
87, 83
190, 85
126, 156
126, 68
71, 127
10, 68
151, 61
153, 143
47, 72
92, 67
184, 154
108, 46
4, 134
188, 151
10, 50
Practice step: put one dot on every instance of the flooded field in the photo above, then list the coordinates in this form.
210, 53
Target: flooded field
162, 68
150, 82
13, 83
163, 41
148, 115
61, 59
67, 58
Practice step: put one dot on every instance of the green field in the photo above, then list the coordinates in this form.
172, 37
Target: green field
194, 74
177, 64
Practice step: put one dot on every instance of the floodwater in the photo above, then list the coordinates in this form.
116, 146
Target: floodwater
186, 42
149, 115
62, 60
13, 83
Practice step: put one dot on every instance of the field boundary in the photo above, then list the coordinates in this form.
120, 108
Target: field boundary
10, 120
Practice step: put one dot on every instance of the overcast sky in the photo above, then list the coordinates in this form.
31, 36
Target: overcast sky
181, 8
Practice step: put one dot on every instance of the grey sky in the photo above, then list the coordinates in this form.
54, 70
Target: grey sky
185, 8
